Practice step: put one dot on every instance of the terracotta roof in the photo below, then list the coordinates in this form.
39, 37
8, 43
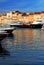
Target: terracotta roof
37, 12
4, 14
42, 12
24, 14
31, 13
13, 12
0, 15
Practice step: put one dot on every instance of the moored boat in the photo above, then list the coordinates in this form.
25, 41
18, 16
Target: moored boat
35, 24
16, 24
7, 28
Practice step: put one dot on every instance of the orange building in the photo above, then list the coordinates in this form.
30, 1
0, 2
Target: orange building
0, 18
4, 18
31, 17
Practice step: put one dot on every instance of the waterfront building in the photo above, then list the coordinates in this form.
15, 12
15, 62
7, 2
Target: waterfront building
0, 19
9, 17
4, 18
14, 16
37, 16
24, 17
20, 18
42, 16
31, 17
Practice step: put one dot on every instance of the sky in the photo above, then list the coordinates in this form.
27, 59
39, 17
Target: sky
21, 5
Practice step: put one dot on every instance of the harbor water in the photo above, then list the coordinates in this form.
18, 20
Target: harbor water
24, 46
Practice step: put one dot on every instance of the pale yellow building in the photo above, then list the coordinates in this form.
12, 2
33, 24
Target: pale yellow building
14, 16
9, 17
19, 16
42, 16
37, 16
0, 19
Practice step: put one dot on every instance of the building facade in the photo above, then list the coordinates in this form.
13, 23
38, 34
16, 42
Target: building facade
15, 16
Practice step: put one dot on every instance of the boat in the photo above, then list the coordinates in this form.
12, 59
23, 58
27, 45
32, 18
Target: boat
7, 28
16, 24
35, 24
3, 34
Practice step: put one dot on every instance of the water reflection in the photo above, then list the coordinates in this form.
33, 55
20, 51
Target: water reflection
11, 36
27, 36
26, 46
24, 39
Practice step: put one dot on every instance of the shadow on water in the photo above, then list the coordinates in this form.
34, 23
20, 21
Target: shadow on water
3, 51
11, 36
6, 43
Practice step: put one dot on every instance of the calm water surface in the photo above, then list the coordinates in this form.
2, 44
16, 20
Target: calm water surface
25, 46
